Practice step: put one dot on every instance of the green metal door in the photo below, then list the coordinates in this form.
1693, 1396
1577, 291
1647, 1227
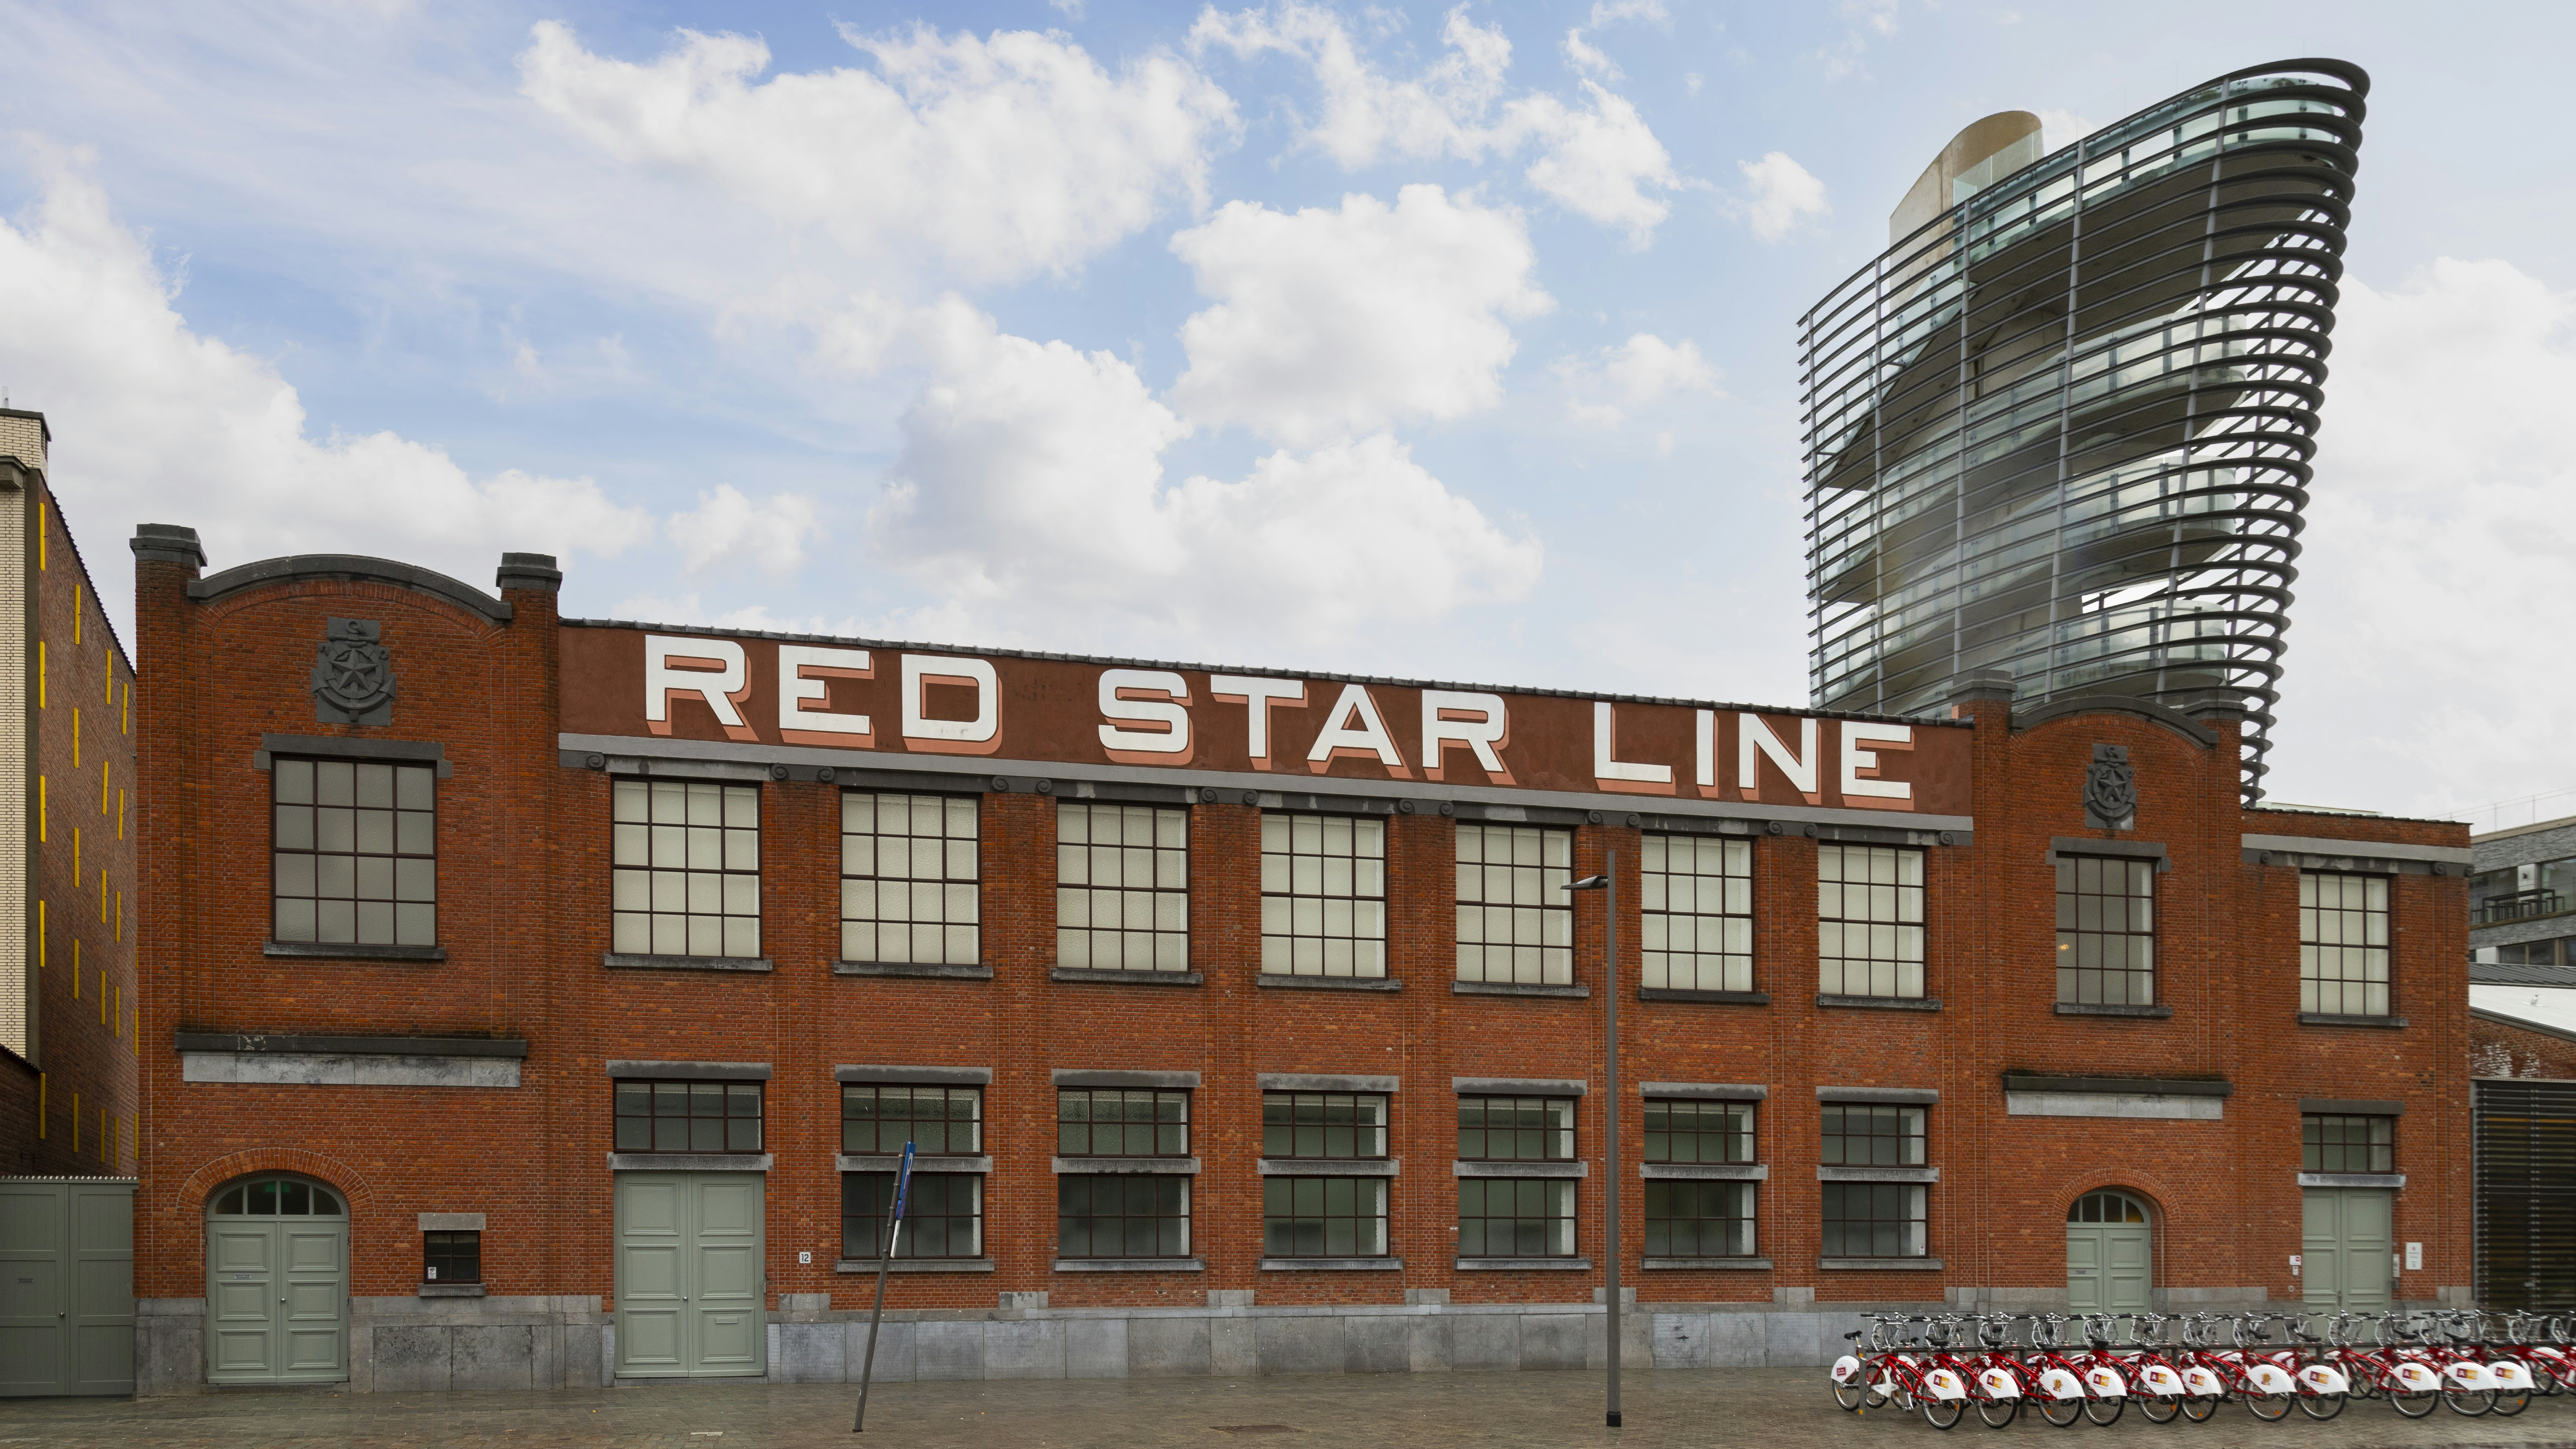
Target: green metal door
2344, 1248
66, 1286
2108, 1246
690, 1279
277, 1284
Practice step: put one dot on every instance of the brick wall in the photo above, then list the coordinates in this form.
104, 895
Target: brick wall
2499, 1048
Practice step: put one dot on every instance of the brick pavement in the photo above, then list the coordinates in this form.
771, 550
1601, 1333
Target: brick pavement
1755, 1408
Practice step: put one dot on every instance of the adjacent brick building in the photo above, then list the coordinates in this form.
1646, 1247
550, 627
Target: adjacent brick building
631, 957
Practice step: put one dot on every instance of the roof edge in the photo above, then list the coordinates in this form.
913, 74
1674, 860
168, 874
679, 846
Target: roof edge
346, 568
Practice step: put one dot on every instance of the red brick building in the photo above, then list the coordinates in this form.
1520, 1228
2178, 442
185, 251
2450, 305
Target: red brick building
603, 969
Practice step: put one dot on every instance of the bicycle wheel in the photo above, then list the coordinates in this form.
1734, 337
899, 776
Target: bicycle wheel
2509, 1402
2060, 1413
2321, 1407
2468, 1403
1997, 1412
2104, 1412
1849, 1394
2270, 1408
2198, 1407
2412, 1405
1942, 1413
2159, 1408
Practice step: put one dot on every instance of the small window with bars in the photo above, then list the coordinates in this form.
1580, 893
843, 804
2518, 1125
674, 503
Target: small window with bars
2330, 1142
688, 1116
1122, 900
2106, 931
354, 848
943, 1216
909, 874
1325, 1125
1869, 920
1516, 1129
1515, 917
1699, 1131
685, 868
2343, 944
1121, 1122
1323, 895
451, 1257
938, 1121
1872, 1135
1698, 912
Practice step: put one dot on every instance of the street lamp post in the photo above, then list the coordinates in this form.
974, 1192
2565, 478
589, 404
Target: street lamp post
1608, 882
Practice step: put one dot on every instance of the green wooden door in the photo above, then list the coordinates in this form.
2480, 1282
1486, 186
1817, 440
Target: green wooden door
690, 1279
2109, 1243
277, 1284
2344, 1248
66, 1286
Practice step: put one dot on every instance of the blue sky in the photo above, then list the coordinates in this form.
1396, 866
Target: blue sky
1452, 342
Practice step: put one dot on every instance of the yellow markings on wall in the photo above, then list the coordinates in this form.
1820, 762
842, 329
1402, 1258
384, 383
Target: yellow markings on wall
75, 737
44, 809
40, 534
125, 711
120, 915
76, 613
110, 676
102, 895
103, 783
75, 850
120, 815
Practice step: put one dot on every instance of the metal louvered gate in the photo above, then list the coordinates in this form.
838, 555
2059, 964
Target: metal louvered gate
2526, 1193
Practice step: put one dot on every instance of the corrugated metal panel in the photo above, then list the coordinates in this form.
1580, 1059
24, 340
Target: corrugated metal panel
2526, 1193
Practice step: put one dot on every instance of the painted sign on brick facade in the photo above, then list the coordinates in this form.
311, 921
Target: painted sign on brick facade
910, 702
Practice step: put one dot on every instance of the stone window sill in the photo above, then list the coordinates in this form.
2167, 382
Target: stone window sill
629, 961
1079, 1166
1722, 1265
1881, 1003
1524, 1265
1880, 1265
1127, 978
451, 1290
908, 968
921, 1162
1714, 998
350, 951
1130, 1265
2389, 1180
1705, 1171
916, 1265
2329, 1018
1332, 1265
1273, 981
2096, 1008
1516, 988
688, 1162
1331, 1166
1471, 1168
1878, 1174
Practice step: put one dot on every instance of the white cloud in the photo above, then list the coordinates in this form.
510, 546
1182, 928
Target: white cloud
1584, 56
1588, 58
1072, 9
996, 158
1863, 22
729, 527
1330, 324
691, 609
1601, 161
1029, 499
159, 423
2059, 127
2440, 550
1782, 193
1604, 387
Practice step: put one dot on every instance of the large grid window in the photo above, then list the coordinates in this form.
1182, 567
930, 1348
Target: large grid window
1121, 1122
688, 1116
2343, 944
1699, 1219
1874, 1219
1515, 917
936, 1120
1323, 1217
943, 1216
1869, 920
685, 868
2106, 931
2347, 1144
908, 880
355, 852
1516, 1129
1324, 1125
1515, 1217
1122, 1215
1698, 921
1323, 895
1873, 1136
1122, 899
1699, 1131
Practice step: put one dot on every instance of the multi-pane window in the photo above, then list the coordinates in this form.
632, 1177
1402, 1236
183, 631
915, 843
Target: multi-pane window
685, 868
1516, 1129
2555, 952
2106, 931
2343, 944
936, 1120
2347, 1144
688, 1116
1698, 912
355, 852
1323, 1124
1686, 1219
1323, 1217
1699, 1131
451, 1257
1121, 1122
1874, 1219
1122, 899
908, 880
1323, 895
1515, 917
943, 1215
1122, 1215
1872, 1136
1869, 920
1515, 1217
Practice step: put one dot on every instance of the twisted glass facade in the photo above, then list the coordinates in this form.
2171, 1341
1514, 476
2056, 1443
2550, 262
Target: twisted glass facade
2062, 428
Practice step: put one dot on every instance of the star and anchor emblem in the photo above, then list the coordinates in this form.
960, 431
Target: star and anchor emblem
353, 675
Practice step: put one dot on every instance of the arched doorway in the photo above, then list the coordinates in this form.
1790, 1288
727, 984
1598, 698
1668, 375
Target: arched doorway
277, 1283
2109, 1245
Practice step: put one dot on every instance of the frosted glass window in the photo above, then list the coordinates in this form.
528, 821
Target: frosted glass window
1869, 920
2343, 944
685, 868
1515, 917
354, 852
1122, 900
2106, 931
909, 872
1697, 912
1323, 895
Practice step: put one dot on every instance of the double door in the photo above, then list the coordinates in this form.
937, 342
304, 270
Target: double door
277, 1300
66, 1286
690, 1276
2344, 1248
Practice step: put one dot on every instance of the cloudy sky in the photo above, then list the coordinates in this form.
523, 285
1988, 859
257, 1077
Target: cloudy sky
1450, 342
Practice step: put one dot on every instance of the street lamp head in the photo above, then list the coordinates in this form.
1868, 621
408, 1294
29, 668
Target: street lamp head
1589, 883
